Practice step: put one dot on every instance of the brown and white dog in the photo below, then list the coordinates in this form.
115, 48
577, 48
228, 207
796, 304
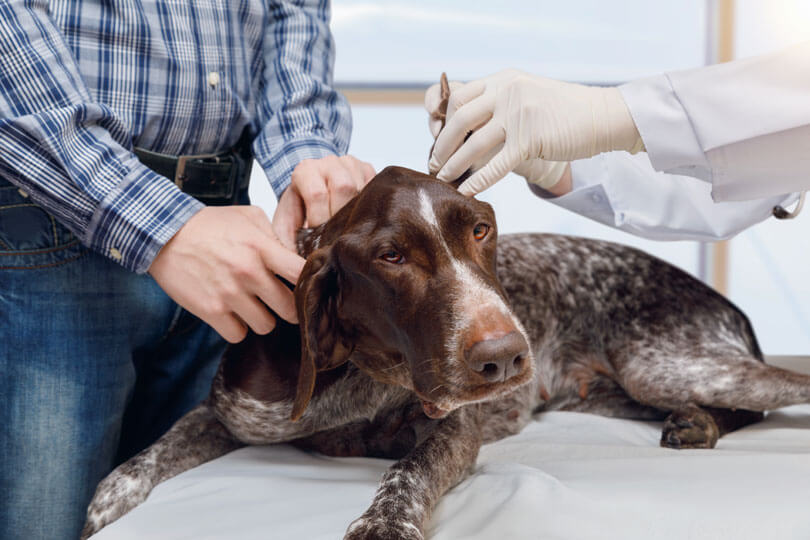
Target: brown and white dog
418, 343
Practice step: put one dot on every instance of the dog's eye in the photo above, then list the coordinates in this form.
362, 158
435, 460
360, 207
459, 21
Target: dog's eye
480, 231
393, 257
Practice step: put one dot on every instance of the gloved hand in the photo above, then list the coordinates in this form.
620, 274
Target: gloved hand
531, 117
545, 174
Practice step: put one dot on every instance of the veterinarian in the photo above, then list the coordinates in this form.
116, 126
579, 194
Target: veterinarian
691, 141
105, 253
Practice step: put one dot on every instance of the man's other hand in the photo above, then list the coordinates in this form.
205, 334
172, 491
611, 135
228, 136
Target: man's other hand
222, 267
318, 189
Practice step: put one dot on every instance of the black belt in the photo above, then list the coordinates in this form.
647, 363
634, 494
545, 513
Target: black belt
214, 179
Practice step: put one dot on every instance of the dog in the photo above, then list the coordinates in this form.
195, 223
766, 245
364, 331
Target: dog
420, 340
423, 336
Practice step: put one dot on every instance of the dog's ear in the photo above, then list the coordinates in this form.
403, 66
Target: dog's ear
444, 93
441, 115
316, 299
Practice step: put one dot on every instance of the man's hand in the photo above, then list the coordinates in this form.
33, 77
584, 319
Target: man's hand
222, 265
318, 189
515, 117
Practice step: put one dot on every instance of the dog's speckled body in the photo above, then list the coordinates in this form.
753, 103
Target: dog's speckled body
612, 331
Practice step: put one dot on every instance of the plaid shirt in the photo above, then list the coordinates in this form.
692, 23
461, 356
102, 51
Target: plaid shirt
83, 81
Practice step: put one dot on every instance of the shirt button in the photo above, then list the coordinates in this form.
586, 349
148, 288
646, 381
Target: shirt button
213, 78
115, 254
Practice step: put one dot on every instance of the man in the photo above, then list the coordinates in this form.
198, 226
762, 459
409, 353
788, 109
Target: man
730, 132
95, 97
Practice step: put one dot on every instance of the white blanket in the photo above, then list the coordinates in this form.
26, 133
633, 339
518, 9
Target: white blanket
566, 476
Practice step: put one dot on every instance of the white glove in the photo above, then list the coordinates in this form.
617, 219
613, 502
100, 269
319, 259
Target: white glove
532, 117
545, 174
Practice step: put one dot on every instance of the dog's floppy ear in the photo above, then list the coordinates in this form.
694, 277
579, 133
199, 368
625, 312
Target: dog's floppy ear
441, 115
316, 300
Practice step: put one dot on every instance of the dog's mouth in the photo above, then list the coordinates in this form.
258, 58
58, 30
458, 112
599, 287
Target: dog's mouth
459, 396
432, 410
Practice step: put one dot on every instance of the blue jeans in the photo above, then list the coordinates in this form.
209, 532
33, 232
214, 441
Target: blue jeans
95, 363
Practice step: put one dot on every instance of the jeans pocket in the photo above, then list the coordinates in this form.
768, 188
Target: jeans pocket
29, 236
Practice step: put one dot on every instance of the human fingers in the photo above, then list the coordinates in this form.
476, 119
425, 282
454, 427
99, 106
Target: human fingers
281, 260
480, 143
469, 118
344, 179
226, 325
309, 177
498, 167
289, 217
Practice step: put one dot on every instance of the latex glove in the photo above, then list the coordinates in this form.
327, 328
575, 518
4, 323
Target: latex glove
318, 189
532, 117
222, 265
545, 174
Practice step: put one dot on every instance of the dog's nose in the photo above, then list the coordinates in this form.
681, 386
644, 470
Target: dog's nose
498, 359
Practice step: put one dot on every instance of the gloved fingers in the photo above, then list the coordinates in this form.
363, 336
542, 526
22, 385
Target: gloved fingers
467, 119
482, 142
463, 94
498, 167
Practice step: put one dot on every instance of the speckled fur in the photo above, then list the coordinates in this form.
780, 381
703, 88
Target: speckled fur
613, 331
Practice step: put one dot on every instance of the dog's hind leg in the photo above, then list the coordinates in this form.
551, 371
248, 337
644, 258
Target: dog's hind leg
710, 391
670, 376
196, 438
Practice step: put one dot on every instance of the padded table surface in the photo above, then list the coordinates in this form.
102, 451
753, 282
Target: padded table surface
567, 475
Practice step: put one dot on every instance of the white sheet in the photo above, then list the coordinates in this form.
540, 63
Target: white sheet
566, 476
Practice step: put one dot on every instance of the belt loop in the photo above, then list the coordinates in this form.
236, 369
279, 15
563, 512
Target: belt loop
180, 171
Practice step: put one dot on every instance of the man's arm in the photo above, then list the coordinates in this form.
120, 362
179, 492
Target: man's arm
305, 124
73, 155
625, 192
301, 116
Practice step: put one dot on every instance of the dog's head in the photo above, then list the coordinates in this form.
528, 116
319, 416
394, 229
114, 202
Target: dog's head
402, 282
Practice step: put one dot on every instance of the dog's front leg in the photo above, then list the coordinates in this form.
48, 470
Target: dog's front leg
411, 487
196, 438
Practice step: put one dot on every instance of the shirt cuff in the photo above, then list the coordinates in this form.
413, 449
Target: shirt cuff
279, 166
665, 128
587, 196
136, 219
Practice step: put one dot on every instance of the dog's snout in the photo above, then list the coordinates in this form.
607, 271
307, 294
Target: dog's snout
498, 359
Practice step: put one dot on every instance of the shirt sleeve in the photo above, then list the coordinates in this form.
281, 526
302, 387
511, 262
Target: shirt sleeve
743, 126
73, 156
301, 115
623, 191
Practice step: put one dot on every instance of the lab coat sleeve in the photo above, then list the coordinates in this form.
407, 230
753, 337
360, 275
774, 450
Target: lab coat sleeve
625, 192
743, 126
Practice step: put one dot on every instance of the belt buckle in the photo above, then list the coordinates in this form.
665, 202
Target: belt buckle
179, 172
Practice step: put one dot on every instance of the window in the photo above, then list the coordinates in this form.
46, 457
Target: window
390, 50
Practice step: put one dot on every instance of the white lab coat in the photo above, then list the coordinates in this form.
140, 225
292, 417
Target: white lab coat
739, 130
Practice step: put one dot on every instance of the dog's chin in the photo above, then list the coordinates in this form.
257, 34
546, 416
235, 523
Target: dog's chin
441, 407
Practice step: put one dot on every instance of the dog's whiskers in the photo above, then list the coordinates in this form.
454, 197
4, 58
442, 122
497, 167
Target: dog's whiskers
389, 368
440, 385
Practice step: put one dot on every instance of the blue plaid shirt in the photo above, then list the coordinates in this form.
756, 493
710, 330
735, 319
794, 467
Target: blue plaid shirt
83, 81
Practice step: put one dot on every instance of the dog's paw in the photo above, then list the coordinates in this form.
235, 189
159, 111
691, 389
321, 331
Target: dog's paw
690, 427
121, 491
382, 528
